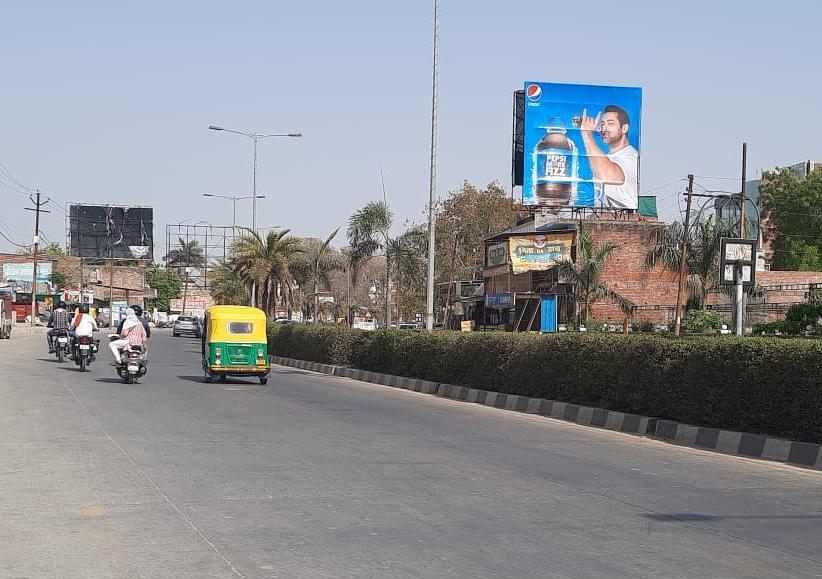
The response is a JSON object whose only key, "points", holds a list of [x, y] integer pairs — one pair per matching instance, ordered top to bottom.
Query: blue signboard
{"points": [[581, 145], [501, 300]]}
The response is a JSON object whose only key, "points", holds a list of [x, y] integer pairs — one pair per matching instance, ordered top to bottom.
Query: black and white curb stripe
{"points": [[739, 443]]}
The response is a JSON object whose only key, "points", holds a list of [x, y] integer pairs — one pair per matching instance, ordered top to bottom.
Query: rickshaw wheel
{"points": [[223, 378], [263, 380]]}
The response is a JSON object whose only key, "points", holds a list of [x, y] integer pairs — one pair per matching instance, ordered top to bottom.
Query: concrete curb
{"points": [[744, 444]]}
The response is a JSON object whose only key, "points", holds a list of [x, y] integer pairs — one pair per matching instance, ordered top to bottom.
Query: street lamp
{"points": [[256, 137], [233, 199]]}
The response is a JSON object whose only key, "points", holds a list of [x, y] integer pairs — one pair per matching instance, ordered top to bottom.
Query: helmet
{"points": [[60, 306], [83, 308], [138, 311]]}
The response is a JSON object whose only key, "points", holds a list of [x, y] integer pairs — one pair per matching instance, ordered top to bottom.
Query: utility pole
{"points": [[432, 184], [743, 203], [37, 211], [683, 255]]}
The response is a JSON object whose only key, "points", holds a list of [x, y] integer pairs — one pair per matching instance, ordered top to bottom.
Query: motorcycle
{"points": [[61, 345], [85, 351], [133, 364]]}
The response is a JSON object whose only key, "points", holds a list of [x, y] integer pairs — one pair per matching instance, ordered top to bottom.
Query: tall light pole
{"points": [[256, 137], [432, 184], [233, 199]]}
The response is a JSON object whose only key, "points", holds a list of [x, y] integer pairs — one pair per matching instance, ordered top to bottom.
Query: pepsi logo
{"points": [[534, 92]]}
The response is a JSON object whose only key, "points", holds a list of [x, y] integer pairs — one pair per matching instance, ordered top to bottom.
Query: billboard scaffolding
{"points": [[110, 231]]}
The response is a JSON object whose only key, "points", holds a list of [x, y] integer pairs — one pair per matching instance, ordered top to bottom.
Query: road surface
{"points": [[319, 476]]}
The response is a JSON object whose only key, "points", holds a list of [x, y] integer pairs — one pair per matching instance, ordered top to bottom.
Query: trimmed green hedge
{"points": [[770, 386]]}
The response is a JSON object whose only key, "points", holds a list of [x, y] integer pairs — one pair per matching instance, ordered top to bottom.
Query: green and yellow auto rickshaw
{"points": [[235, 343]]}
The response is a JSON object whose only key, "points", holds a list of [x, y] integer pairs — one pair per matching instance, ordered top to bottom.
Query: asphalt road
{"points": [[318, 476]]}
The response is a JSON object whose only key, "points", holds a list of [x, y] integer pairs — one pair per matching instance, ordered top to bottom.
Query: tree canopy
{"points": [[793, 210]]}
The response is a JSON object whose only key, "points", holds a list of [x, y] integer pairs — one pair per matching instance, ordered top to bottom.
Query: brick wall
{"points": [[626, 274]]}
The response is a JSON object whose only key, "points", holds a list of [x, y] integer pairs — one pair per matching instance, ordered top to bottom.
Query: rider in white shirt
{"points": [[83, 324]]}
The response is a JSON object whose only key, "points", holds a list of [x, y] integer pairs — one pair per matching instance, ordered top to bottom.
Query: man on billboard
{"points": [[618, 169]]}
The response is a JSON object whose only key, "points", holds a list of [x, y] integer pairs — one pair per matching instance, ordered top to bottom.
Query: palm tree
{"points": [[368, 230], [186, 254], [407, 256], [702, 261], [266, 262], [315, 266], [586, 274], [228, 285]]}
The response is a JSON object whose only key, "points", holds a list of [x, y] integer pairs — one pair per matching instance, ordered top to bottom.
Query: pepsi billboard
{"points": [[581, 146]]}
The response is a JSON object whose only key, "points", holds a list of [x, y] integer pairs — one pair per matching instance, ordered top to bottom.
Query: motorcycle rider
{"points": [[138, 311], [58, 321], [83, 324], [132, 334]]}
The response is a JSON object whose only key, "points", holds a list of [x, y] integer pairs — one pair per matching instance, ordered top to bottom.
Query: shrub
{"points": [[805, 314], [701, 321], [786, 327], [771, 386]]}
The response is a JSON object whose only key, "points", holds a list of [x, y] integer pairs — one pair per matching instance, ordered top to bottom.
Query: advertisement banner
{"points": [[581, 145], [539, 252], [24, 271], [176, 305]]}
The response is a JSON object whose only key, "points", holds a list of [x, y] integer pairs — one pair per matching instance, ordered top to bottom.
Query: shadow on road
{"points": [[199, 379], [110, 380], [698, 517]]}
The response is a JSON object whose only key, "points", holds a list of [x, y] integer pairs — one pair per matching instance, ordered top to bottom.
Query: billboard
{"points": [[581, 146], [110, 231], [539, 252], [24, 271]]}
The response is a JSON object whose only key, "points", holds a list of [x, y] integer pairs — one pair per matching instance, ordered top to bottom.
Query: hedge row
{"points": [[764, 385]]}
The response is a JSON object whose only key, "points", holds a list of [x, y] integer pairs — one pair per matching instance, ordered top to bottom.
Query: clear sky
{"points": [[109, 102]]}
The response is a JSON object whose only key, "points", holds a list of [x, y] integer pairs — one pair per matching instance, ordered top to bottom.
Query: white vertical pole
{"points": [[432, 186]]}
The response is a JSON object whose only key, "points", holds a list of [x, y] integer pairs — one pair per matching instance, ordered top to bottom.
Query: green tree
{"points": [[793, 211], [465, 218], [368, 235], [186, 254], [407, 257], [702, 261], [266, 262], [313, 268], [586, 272], [59, 280], [167, 283], [228, 286]]}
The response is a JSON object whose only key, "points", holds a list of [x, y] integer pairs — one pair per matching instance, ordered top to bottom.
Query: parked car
{"points": [[285, 321], [186, 325], [409, 326]]}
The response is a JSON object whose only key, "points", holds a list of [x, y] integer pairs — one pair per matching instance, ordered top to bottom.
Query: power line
{"points": [[717, 178], [662, 186]]}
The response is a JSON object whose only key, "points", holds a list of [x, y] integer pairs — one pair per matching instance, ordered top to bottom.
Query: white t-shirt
{"points": [[623, 196], [86, 326]]}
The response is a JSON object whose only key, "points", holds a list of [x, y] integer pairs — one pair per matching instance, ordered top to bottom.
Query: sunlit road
{"points": [[317, 476]]}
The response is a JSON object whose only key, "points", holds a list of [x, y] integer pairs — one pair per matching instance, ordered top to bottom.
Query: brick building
{"points": [[128, 281], [515, 300]]}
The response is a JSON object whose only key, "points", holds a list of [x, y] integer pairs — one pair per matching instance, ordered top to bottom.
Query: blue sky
{"points": [[110, 102]]}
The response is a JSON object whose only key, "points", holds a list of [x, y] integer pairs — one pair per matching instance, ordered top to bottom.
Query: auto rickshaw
{"points": [[235, 343]]}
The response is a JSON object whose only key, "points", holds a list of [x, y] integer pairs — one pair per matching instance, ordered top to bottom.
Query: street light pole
{"points": [[256, 138], [432, 184], [233, 199]]}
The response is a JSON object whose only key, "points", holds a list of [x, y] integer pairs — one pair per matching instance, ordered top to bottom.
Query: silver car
{"points": [[186, 325]]}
